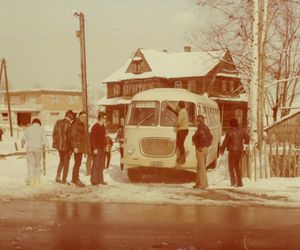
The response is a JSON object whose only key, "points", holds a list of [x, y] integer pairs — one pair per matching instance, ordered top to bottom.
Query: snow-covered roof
{"points": [[171, 65], [230, 75], [42, 90], [240, 98], [112, 101], [22, 108], [282, 119]]}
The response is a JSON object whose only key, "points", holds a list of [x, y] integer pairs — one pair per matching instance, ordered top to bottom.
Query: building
{"points": [[200, 72], [46, 104], [285, 130]]}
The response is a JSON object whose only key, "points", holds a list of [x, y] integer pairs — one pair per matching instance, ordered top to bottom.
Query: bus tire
{"points": [[134, 175]]}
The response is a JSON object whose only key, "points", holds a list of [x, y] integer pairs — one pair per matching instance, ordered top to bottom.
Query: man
{"points": [[182, 129], [35, 138], [202, 139], [61, 141], [234, 142], [79, 144], [98, 144], [109, 144]]}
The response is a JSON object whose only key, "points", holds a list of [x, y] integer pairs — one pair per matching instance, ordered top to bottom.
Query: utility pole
{"points": [[81, 35], [3, 69]]}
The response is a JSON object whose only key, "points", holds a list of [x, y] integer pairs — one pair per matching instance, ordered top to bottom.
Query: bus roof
{"points": [[172, 94]]}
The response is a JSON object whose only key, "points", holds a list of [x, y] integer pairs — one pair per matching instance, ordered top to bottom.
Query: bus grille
{"points": [[157, 147]]}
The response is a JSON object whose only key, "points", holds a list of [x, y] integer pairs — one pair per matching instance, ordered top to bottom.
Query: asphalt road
{"points": [[59, 225]]}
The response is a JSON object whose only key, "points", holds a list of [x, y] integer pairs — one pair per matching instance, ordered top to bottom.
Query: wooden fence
{"points": [[284, 160]]}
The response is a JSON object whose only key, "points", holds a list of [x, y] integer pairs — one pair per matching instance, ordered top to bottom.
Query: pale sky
{"points": [[37, 37]]}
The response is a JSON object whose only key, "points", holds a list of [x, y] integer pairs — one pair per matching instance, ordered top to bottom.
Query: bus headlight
{"points": [[130, 149]]}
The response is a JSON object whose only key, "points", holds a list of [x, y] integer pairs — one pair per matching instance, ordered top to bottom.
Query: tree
{"points": [[233, 30]]}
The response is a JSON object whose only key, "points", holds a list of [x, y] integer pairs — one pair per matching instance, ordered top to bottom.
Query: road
{"points": [[60, 225]]}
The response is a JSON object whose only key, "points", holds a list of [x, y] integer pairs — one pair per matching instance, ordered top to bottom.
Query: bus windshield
{"points": [[143, 113], [169, 117]]}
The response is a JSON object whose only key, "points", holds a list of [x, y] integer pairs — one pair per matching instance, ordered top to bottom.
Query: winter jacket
{"points": [[182, 122], [61, 135], [79, 136], [120, 137], [202, 137], [35, 138], [97, 138], [234, 140]]}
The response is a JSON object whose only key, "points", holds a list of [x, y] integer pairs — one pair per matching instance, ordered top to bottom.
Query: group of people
{"points": [[70, 136], [234, 141]]}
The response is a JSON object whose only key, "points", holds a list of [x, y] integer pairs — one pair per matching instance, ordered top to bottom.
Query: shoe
{"points": [[181, 160], [57, 179], [65, 182], [78, 183], [103, 183], [239, 185], [199, 187]]}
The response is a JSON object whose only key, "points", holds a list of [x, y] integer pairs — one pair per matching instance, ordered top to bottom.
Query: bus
{"points": [[150, 135]]}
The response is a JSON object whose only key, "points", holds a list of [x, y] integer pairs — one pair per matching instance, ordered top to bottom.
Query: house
{"points": [[200, 72], [47, 104], [285, 130]]}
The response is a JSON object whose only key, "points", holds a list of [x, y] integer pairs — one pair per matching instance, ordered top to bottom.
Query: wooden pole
{"points": [[3, 64], [83, 68]]}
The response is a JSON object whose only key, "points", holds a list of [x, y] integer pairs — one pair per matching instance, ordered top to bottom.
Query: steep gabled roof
{"points": [[171, 65]]}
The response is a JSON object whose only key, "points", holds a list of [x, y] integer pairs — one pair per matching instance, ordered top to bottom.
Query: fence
{"points": [[284, 160]]}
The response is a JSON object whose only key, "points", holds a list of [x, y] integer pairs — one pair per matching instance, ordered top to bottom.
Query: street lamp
{"points": [[81, 35]]}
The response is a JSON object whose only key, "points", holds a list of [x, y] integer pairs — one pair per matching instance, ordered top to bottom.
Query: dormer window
{"points": [[137, 61], [178, 85], [224, 86], [231, 86]]}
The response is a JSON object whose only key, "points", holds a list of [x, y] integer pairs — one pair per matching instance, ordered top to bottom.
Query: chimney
{"points": [[187, 49]]}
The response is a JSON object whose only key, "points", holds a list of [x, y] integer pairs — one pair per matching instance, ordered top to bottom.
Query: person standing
{"points": [[182, 129], [1, 133], [36, 139], [120, 139], [202, 139], [61, 141], [234, 141], [98, 144], [109, 144], [79, 145]]}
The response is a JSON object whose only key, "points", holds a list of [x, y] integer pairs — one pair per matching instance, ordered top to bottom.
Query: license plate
{"points": [[156, 163]]}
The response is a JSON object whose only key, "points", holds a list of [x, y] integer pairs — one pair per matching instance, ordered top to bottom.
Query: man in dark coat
{"points": [[120, 139], [202, 139], [61, 141], [234, 141], [79, 144], [98, 144]]}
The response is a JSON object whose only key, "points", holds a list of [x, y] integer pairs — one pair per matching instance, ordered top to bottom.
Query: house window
{"points": [[178, 85], [192, 85], [224, 86], [231, 86], [117, 90], [126, 90], [238, 114], [4, 116], [115, 117]]}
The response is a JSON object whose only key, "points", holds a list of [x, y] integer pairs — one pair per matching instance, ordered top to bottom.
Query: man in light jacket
{"points": [[35, 138]]}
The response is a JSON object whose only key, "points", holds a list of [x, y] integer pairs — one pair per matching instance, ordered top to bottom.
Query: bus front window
{"points": [[143, 113], [169, 117]]}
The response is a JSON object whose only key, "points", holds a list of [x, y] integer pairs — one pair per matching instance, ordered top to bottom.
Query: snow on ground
{"points": [[13, 171]]}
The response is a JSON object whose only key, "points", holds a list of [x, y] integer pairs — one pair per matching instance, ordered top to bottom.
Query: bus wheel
{"points": [[134, 175]]}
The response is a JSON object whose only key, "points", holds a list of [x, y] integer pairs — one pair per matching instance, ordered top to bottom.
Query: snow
{"points": [[283, 192]]}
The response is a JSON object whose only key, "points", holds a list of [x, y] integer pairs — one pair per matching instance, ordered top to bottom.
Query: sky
{"points": [[38, 42], [274, 192]]}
